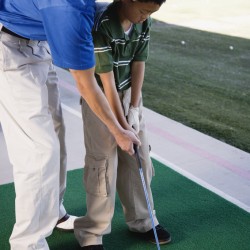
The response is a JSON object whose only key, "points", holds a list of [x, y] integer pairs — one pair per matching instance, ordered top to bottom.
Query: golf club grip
{"points": [[135, 148]]}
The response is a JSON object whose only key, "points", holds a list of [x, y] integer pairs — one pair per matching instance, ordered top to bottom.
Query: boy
{"points": [[31, 36], [121, 39]]}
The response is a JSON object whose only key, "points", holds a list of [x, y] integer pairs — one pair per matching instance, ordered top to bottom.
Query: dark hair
{"points": [[159, 2]]}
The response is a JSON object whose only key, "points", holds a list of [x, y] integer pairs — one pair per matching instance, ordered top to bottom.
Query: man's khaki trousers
{"points": [[31, 119]]}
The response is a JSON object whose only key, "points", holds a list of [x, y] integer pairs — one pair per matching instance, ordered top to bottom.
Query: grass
{"points": [[203, 83]]}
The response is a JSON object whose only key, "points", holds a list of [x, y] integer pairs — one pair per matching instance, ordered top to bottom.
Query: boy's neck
{"points": [[125, 23], [126, 26]]}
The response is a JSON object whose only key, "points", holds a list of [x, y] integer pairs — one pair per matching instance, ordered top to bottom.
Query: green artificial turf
{"points": [[202, 83], [196, 218]]}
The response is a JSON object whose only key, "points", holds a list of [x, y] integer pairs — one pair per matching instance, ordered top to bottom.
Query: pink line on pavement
{"points": [[194, 149]]}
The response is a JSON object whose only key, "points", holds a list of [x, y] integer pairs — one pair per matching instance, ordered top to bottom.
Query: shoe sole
{"points": [[161, 242]]}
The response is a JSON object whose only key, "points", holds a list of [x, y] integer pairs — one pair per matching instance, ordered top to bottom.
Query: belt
{"points": [[12, 33]]}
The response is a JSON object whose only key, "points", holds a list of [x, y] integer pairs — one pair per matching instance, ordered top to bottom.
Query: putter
{"points": [[138, 159]]}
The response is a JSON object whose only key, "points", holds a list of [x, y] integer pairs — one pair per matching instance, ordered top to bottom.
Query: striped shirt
{"points": [[115, 50]]}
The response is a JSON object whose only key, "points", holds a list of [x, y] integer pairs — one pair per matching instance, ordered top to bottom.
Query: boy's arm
{"points": [[138, 65], [137, 77], [108, 82], [91, 92]]}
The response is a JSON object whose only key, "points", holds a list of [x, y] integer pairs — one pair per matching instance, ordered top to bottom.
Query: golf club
{"points": [[138, 159]]}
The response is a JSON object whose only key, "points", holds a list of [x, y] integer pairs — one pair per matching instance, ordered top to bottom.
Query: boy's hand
{"points": [[133, 118]]}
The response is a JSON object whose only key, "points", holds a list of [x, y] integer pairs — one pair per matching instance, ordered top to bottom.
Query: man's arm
{"points": [[91, 92]]}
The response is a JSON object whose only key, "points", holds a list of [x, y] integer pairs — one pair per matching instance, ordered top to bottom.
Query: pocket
{"points": [[16, 55], [95, 175]]}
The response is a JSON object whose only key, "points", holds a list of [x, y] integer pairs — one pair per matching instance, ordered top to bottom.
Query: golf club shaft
{"points": [[146, 195]]}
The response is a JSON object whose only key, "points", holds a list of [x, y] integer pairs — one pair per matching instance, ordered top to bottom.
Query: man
{"points": [[121, 37], [30, 110]]}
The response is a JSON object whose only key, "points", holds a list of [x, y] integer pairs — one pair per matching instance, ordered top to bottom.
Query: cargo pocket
{"points": [[95, 176]]}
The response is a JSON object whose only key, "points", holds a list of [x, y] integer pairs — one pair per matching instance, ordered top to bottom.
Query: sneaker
{"points": [[66, 223], [163, 235], [94, 247]]}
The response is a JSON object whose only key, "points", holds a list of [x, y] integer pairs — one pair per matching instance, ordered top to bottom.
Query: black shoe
{"points": [[163, 235], [94, 247]]}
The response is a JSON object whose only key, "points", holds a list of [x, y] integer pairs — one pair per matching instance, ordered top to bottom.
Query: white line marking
{"points": [[181, 171], [200, 182]]}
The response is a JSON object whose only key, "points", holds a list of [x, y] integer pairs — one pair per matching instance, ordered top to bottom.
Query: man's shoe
{"points": [[66, 223], [163, 235], [94, 247]]}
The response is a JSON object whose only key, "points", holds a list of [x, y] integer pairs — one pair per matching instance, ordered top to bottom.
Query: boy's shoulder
{"points": [[100, 8], [103, 15]]}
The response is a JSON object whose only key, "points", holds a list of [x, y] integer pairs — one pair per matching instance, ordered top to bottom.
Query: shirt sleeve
{"points": [[68, 32], [142, 51], [103, 52]]}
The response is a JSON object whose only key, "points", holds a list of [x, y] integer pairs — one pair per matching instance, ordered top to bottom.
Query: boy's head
{"points": [[159, 2], [137, 11]]}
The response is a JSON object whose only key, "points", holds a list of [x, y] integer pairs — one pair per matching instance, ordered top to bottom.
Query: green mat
{"points": [[196, 218]]}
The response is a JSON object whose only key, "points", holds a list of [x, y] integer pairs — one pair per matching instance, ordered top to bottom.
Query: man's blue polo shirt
{"points": [[65, 24]]}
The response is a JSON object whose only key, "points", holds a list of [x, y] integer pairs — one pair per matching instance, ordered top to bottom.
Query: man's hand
{"points": [[133, 118], [126, 140]]}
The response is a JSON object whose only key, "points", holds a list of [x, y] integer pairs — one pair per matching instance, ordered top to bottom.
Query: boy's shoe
{"points": [[66, 223], [163, 235], [93, 247]]}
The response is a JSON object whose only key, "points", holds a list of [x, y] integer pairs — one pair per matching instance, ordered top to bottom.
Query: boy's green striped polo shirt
{"points": [[114, 50]]}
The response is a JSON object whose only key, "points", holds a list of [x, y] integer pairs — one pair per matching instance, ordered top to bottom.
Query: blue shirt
{"points": [[65, 24]]}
